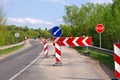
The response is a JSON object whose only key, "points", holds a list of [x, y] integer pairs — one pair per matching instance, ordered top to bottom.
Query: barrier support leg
{"points": [[45, 49], [58, 54], [117, 61]]}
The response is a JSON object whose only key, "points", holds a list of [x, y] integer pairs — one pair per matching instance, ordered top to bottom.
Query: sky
{"points": [[39, 13]]}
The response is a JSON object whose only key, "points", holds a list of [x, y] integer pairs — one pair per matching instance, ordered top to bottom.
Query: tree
{"points": [[2, 15], [71, 15], [83, 21], [3, 30], [66, 30], [3, 33]]}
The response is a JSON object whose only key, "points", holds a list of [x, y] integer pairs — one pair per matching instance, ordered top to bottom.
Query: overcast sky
{"points": [[39, 13]]}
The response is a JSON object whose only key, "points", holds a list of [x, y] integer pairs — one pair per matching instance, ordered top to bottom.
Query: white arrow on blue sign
{"points": [[56, 31]]}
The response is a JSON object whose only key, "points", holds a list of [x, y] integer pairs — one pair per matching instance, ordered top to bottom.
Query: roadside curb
{"points": [[12, 53]]}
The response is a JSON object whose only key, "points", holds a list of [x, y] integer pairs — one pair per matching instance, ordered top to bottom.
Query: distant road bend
{"points": [[12, 64]]}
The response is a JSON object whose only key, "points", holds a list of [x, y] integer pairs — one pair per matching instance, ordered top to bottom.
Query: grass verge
{"points": [[6, 51], [102, 57]]}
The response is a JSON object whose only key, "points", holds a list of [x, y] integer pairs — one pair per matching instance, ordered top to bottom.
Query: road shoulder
{"points": [[12, 53]]}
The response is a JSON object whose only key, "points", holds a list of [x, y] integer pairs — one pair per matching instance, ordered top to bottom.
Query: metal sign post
{"points": [[100, 29], [57, 32], [17, 35], [100, 39]]}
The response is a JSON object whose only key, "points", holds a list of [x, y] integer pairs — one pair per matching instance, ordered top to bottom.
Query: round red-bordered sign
{"points": [[99, 28]]}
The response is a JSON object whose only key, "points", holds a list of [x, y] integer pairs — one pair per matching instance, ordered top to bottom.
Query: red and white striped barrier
{"points": [[74, 41], [45, 48], [58, 53], [117, 59]]}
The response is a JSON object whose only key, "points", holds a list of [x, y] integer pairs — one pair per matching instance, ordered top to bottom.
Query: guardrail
{"points": [[10, 46], [106, 51]]}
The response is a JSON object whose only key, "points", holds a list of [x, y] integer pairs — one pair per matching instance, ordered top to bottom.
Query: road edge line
{"points": [[13, 77]]}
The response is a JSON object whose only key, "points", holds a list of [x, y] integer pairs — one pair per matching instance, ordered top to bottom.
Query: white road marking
{"points": [[13, 77]]}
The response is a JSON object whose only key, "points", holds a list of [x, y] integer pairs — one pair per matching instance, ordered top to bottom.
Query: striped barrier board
{"points": [[69, 41], [74, 41], [45, 48], [58, 53], [117, 59]]}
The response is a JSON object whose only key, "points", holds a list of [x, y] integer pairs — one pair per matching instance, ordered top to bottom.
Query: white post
{"points": [[100, 39], [118, 41]]}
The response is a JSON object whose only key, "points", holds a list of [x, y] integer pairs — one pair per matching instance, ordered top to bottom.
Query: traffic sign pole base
{"points": [[87, 53], [53, 55], [45, 56], [57, 64], [115, 79]]}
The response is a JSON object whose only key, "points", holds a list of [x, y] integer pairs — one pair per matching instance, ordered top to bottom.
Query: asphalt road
{"points": [[14, 63], [29, 64], [75, 67]]}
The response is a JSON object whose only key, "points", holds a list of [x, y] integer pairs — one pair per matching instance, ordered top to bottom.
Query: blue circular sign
{"points": [[56, 31]]}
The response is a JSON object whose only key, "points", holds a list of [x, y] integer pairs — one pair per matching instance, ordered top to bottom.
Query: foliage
{"points": [[2, 16], [84, 19], [3, 30], [66, 31], [3, 34], [7, 34], [9, 50]]}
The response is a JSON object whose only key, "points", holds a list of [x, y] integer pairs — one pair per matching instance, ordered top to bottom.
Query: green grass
{"points": [[6, 51], [102, 57]]}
